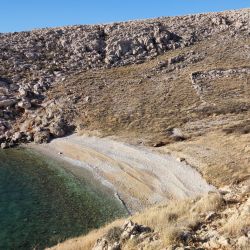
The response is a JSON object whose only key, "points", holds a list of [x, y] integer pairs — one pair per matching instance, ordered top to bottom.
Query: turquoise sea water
{"points": [[44, 201]]}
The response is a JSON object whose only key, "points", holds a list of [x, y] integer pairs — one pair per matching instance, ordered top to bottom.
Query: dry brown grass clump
{"points": [[242, 128], [221, 158], [177, 216], [238, 223], [87, 242]]}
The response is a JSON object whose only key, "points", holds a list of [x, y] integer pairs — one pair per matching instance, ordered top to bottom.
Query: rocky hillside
{"points": [[34, 62]]}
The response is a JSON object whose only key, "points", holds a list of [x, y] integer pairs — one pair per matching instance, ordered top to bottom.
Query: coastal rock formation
{"points": [[116, 236]]}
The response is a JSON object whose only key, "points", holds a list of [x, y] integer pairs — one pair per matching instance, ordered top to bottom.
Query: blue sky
{"points": [[18, 15]]}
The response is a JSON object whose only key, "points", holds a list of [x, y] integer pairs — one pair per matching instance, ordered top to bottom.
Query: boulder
{"points": [[176, 59], [161, 65], [3, 84], [13, 87], [4, 91], [22, 92], [87, 99], [7, 103], [25, 104], [57, 128], [57, 131], [177, 134], [17, 136], [29, 136], [42, 136], [4, 145], [210, 216], [131, 229], [243, 242]]}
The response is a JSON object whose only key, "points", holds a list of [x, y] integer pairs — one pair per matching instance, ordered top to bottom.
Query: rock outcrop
{"points": [[117, 236]]}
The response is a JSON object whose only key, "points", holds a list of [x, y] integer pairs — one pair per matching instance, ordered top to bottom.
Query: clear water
{"points": [[43, 201]]}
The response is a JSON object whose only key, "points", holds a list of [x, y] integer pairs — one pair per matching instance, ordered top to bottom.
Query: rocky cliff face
{"points": [[31, 62]]}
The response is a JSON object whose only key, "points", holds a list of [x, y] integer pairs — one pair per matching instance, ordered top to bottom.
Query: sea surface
{"points": [[44, 201]]}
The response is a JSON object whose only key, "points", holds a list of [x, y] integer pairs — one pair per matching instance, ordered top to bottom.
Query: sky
{"points": [[20, 15]]}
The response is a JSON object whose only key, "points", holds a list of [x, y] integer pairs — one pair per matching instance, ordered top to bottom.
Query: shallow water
{"points": [[44, 201]]}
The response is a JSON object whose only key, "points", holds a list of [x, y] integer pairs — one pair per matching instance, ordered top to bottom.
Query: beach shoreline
{"points": [[73, 166], [137, 175]]}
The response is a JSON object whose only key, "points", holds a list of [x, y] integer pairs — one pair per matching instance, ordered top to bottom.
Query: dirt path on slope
{"points": [[139, 176]]}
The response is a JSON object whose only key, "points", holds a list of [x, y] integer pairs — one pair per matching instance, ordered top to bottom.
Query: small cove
{"points": [[44, 201]]}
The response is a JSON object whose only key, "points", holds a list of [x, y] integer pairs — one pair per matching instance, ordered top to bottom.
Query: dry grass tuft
{"points": [[242, 128], [212, 202], [176, 216], [238, 223], [113, 234]]}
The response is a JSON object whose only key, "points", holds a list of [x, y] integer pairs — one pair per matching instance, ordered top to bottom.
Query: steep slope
{"points": [[156, 102]]}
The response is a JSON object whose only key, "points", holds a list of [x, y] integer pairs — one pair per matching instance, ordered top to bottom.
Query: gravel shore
{"points": [[140, 176]]}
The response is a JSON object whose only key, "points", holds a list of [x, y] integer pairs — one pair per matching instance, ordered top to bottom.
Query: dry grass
{"points": [[140, 102], [241, 128], [221, 158], [173, 218], [170, 220], [237, 225], [88, 241], [133, 245]]}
